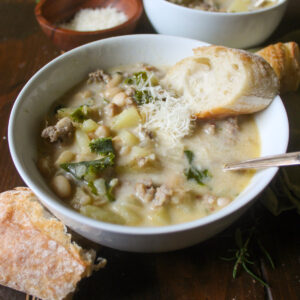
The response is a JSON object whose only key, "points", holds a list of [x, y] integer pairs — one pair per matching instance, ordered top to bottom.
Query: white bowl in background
{"points": [[237, 30], [61, 74]]}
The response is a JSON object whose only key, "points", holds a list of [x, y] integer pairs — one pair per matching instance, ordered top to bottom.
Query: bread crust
{"points": [[285, 60], [36, 253]]}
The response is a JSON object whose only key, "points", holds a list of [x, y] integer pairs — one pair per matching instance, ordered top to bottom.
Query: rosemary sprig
{"points": [[266, 253], [242, 255]]}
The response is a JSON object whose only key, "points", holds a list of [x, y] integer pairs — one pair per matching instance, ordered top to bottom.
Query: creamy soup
{"points": [[226, 5], [119, 148]]}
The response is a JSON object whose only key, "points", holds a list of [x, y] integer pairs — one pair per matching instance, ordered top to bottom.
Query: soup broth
{"points": [[226, 5], [101, 151]]}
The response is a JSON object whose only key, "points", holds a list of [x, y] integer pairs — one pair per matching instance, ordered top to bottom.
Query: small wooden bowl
{"points": [[50, 13]]}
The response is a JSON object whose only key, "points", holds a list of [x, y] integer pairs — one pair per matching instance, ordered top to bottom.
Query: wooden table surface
{"points": [[193, 273]]}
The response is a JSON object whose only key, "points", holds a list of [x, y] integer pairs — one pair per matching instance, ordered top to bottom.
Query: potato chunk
{"points": [[126, 119], [89, 125], [128, 138], [82, 141]]}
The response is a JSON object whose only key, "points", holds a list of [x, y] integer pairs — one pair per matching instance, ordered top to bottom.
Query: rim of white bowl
{"points": [[219, 13], [124, 229]]}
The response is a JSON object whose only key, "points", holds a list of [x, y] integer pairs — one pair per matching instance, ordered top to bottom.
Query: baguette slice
{"points": [[285, 60], [220, 82], [36, 253]]}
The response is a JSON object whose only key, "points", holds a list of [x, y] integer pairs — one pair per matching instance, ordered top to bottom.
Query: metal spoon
{"points": [[287, 159]]}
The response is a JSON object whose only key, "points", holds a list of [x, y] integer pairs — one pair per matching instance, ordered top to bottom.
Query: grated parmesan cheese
{"points": [[95, 19], [168, 115]]}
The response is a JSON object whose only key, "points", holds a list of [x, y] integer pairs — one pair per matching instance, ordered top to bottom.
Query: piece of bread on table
{"points": [[285, 60], [220, 82], [37, 255]]}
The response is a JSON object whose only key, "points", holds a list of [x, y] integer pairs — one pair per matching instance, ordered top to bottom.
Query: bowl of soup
{"points": [[232, 23], [111, 152]]}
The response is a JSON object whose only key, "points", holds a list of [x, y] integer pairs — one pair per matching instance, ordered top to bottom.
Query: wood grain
{"points": [[193, 273]]}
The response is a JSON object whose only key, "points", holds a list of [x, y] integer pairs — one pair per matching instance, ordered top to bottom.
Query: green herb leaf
{"points": [[137, 78], [140, 79], [142, 97], [79, 114], [102, 146], [189, 155], [88, 170], [193, 173], [200, 176], [92, 187], [105, 190], [109, 192], [266, 253], [242, 254], [253, 275]]}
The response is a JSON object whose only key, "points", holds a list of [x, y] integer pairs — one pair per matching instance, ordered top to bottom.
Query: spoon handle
{"points": [[287, 159]]}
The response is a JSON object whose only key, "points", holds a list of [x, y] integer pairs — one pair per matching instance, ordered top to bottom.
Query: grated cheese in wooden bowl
{"points": [[90, 19]]}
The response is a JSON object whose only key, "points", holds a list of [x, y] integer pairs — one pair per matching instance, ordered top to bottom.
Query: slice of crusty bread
{"points": [[285, 60], [220, 81], [37, 255]]}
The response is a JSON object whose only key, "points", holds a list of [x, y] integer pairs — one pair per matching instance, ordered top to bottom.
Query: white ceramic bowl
{"points": [[238, 30], [57, 77]]}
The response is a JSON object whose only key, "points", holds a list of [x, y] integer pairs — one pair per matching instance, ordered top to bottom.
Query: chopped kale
{"points": [[137, 78], [140, 79], [142, 97], [79, 114], [102, 146], [189, 155], [88, 170], [193, 173], [200, 176], [92, 187], [103, 190], [109, 192]]}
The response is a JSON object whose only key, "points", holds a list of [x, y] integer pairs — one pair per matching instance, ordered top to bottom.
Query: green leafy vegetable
{"points": [[137, 78], [141, 79], [142, 97], [80, 114], [102, 146], [189, 155], [88, 170], [193, 173], [200, 176], [91, 185], [100, 187], [109, 192]]}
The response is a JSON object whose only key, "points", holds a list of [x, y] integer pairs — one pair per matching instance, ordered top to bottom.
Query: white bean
{"points": [[116, 80], [111, 92], [120, 99], [112, 109], [102, 131], [44, 166], [61, 186]]}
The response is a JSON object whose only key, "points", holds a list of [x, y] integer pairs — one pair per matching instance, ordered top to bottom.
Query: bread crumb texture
{"points": [[220, 82], [36, 253]]}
